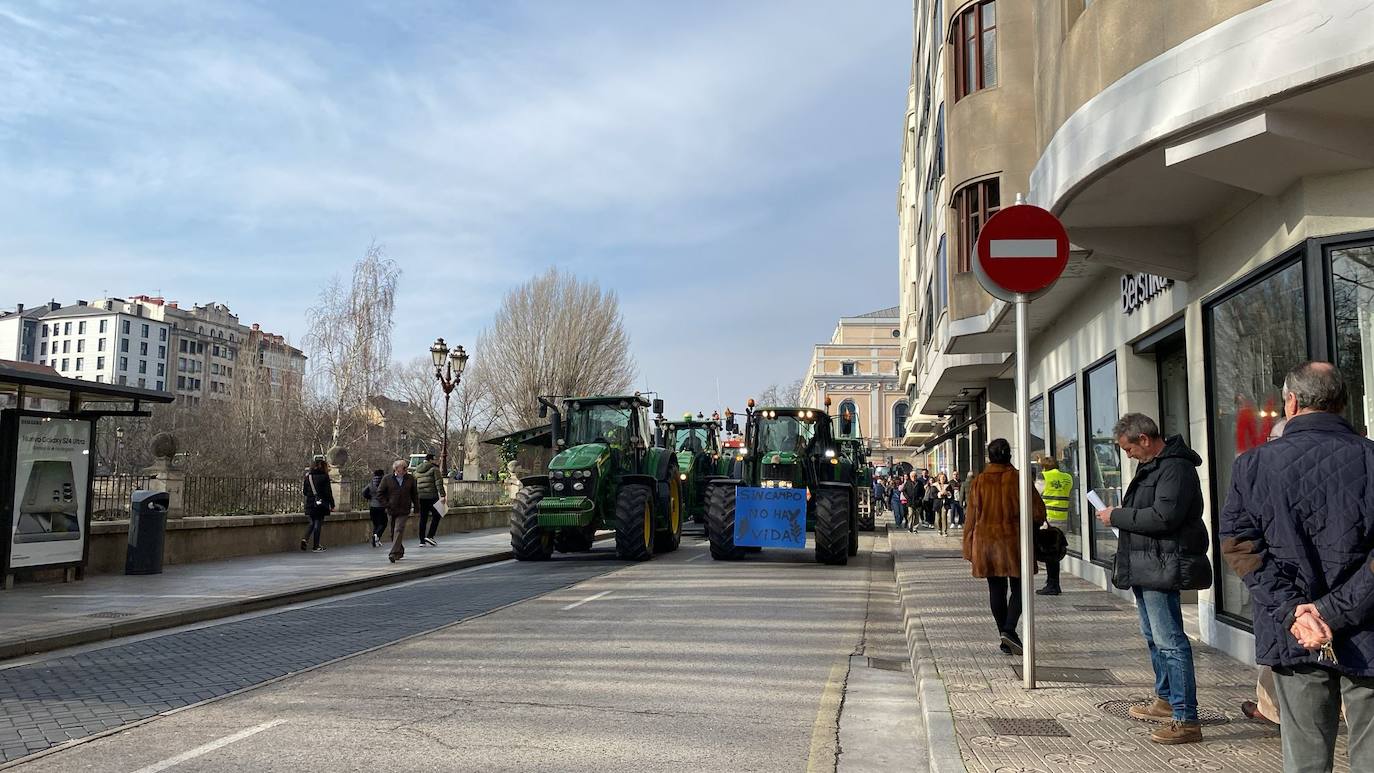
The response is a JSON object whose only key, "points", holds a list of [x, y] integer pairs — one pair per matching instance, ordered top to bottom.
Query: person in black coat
{"points": [[914, 491], [319, 502], [1161, 551]]}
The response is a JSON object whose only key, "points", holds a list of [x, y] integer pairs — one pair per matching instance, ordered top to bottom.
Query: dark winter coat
{"points": [[429, 481], [321, 491], [913, 491], [373, 492], [399, 498], [992, 525], [1298, 527], [1163, 542]]}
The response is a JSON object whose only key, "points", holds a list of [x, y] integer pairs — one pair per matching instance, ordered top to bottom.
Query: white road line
{"points": [[697, 558], [577, 604], [209, 747]]}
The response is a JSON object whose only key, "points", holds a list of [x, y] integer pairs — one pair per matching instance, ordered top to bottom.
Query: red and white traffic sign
{"points": [[1021, 250]]}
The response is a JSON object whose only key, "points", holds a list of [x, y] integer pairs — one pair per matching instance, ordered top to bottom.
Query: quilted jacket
{"points": [[428, 480], [1298, 527], [1163, 542]]}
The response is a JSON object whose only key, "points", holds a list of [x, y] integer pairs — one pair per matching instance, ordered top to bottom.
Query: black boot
{"points": [[1048, 590]]}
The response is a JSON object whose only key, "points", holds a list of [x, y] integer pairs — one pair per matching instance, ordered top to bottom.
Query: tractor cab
{"points": [[695, 442]]}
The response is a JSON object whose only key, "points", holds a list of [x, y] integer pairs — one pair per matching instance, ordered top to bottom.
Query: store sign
{"points": [[1139, 289], [50, 484]]}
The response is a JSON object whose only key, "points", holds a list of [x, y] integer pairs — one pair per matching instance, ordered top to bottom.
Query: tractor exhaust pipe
{"points": [[545, 406]]}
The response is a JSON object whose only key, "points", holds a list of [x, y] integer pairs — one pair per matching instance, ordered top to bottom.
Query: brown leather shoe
{"points": [[1157, 710], [1251, 711], [1178, 732]]}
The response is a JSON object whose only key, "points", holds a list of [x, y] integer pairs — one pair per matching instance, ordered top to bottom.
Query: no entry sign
{"points": [[1021, 250]]}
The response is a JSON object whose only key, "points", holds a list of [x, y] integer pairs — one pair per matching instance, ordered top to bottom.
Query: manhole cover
{"points": [[1097, 607], [111, 614], [888, 664], [1077, 675], [1122, 709], [1027, 726]]}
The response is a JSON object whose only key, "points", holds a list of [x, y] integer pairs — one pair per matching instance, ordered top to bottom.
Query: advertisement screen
{"points": [[50, 491]]}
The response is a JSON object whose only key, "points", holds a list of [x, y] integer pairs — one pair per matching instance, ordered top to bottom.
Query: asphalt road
{"points": [[681, 663]]}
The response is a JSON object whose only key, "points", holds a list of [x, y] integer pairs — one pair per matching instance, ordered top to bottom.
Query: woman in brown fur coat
{"points": [[992, 538]]}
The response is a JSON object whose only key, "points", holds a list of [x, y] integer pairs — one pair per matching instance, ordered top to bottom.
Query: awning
{"points": [[25, 380], [949, 433], [531, 436]]}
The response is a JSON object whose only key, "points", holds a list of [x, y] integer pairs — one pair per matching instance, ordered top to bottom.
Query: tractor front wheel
{"points": [[634, 523], [720, 523], [832, 526], [528, 540]]}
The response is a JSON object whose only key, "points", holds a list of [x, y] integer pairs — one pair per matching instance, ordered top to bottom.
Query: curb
{"points": [[147, 623], [942, 742]]}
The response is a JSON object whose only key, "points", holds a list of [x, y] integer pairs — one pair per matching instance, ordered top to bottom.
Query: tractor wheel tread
{"points": [[629, 523], [720, 523], [832, 526], [528, 541]]}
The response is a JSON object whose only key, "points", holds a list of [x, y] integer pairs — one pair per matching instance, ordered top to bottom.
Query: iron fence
{"points": [[110, 495], [242, 496]]}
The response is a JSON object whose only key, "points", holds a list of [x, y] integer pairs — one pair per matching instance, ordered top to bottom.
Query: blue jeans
{"points": [[898, 512], [1171, 655]]}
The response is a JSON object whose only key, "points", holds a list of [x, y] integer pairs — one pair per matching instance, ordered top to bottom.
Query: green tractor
{"points": [[695, 442], [790, 447], [853, 448], [606, 474]]}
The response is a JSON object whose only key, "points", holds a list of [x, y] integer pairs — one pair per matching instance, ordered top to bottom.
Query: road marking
{"points": [[1023, 248], [697, 558], [577, 604], [825, 732], [209, 747]]}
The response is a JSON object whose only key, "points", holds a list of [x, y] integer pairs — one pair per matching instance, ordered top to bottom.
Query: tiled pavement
{"points": [[1086, 627], [48, 702]]}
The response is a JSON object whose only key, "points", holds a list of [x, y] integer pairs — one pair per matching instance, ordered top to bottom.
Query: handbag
{"points": [[1050, 545]]}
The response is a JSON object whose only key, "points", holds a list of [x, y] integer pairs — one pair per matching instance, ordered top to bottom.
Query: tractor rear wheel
{"points": [[634, 523], [720, 523], [832, 526], [574, 539], [668, 539], [528, 540]]}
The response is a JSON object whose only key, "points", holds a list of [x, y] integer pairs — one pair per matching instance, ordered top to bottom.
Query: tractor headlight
{"points": [[743, 452], [830, 453], [557, 473], [682, 476], [770, 484], [784, 484], [558, 486], [578, 486]]}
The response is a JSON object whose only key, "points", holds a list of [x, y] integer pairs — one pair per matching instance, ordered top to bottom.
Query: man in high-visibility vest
{"points": [[1058, 490]]}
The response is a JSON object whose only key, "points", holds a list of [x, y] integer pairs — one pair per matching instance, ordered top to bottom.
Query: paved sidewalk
{"points": [[41, 617], [954, 644]]}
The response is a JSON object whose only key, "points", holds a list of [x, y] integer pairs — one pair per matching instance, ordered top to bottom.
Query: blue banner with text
{"points": [[770, 517]]}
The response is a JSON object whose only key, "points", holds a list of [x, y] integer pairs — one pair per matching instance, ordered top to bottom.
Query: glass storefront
{"points": [[1352, 307], [1255, 336], [1171, 359], [1037, 434], [1064, 439], [1104, 455]]}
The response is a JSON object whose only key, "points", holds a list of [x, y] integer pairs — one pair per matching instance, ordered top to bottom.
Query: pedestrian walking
{"points": [[429, 483], [913, 494], [1058, 494], [943, 495], [400, 497], [319, 502], [898, 503], [957, 503], [376, 507], [1298, 528], [992, 538], [1162, 551]]}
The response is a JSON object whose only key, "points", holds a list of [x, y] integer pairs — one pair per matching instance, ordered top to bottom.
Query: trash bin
{"points": [[147, 526]]}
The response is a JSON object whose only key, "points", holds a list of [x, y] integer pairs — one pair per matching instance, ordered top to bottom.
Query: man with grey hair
{"points": [[401, 497], [1298, 528], [1162, 551]]}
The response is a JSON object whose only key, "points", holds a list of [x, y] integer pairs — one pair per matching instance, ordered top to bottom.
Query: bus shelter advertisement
{"points": [[50, 484]]}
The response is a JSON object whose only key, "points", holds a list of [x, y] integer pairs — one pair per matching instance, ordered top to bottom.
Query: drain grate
{"points": [[1097, 607], [111, 615], [889, 664], [1079, 675], [1121, 710], [1047, 728]]}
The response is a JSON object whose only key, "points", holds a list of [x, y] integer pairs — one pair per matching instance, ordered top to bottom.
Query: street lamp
{"points": [[448, 370], [405, 443], [119, 447]]}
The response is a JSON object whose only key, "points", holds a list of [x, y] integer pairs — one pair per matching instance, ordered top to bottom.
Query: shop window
{"points": [[974, 34], [975, 204], [1352, 307], [1255, 336], [899, 414], [1037, 434], [1064, 448], [1104, 455]]}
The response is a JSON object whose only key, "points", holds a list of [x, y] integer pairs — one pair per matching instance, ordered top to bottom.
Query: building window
{"points": [[974, 34], [974, 203], [941, 277], [1352, 305], [103, 324], [81, 327], [126, 327], [66, 328], [928, 328], [45, 330], [145, 330], [162, 334], [1254, 336], [100, 344], [123, 344], [80, 345], [181, 345], [67, 346], [143, 348], [43, 349], [162, 352], [65, 363], [99, 363], [123, 363], [142, 366], [846, 369], [99, 379], [123, 380], [181, 382], [142, 383], [159, 386], [848, 413], [899, 414], [1064, 449], [1104, 455]]}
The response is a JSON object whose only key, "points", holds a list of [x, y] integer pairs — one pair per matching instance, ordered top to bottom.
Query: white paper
{"points": [[1098, 504], [440, 508]]}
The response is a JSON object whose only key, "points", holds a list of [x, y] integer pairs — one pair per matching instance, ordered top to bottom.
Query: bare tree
{"points": [[559, 335], [349, 342], [788, 394], [470, 405]]}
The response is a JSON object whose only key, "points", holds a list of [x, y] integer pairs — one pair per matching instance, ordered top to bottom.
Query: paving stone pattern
{"points": [[982, 685], [50, 702]]}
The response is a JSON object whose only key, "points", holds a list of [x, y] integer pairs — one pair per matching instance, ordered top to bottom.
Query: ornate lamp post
{"points": [[448, 370], [405, 444], [119, 447]]}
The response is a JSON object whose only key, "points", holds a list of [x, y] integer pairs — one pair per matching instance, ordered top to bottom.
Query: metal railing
{"points": [[110, 495], [242, 496]]}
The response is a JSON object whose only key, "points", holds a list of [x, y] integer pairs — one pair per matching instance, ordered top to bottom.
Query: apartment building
{"points": [[1214, 167], [19, 332], [105, 343], [857, 370]]}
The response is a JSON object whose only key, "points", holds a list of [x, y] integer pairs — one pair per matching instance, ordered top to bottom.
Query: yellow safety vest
{"points": [[1058, 487]]}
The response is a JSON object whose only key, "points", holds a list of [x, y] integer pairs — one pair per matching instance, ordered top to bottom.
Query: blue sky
{"points": [[729, 168]]}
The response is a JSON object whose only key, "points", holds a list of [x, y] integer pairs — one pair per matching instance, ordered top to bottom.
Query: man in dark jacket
{"points": [[429, 482], [399, 492], [914, 492], [1298, 527], [1162, 550]]}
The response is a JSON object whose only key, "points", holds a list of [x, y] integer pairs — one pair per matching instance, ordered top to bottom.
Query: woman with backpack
{"points": [[319, 502]]}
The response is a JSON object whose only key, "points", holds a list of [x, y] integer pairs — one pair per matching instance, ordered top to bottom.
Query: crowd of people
{"points": [[391, 497], [918, 500]]}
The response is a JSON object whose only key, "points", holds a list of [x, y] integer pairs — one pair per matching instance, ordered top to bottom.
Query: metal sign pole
{"points": [[1023, 468]]}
